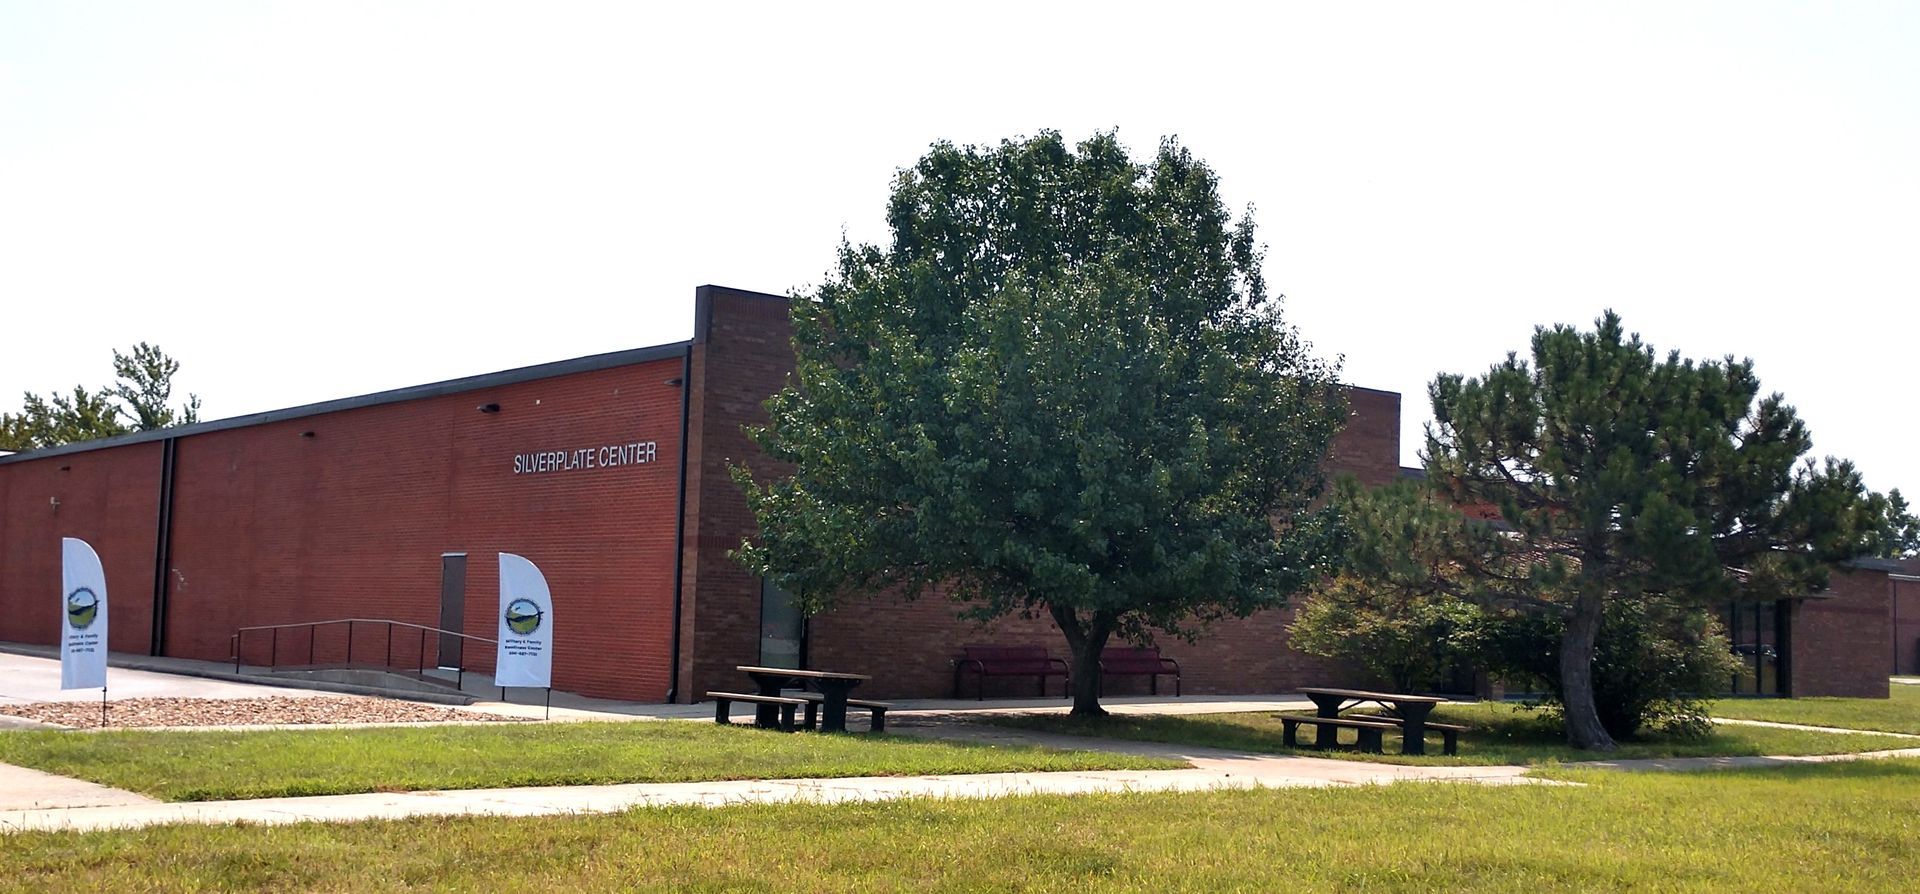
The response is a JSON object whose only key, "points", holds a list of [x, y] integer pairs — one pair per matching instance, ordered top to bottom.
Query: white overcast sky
{"points": [[315, 200]]}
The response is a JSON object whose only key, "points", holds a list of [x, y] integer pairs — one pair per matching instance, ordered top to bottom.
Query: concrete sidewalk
{"points": [[30, 678], [1771, 724], [1212, 771], [24, 789], [36, 801], [97, 807]]}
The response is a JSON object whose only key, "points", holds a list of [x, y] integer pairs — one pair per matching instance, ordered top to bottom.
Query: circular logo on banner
{"points": [[82, 608], [523, 616]]}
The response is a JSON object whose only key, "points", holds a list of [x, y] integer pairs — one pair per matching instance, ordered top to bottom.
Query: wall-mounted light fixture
{"points": [[676, 380], [489, 408], [307, 434], [66, 468], [55, 501]]}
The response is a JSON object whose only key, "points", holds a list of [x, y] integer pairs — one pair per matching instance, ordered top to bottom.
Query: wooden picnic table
{"points": [[833, 691], [1411, 709]]}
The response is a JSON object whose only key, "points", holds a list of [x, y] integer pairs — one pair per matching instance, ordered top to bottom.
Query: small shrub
{"points": [[1410, 644], [1653, 662]]}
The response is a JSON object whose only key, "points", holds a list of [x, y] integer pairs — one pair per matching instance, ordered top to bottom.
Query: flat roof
{"points": [[415, 392], [1891, 566]]}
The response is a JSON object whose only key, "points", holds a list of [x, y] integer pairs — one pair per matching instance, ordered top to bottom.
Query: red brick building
{"points": [[392, 506], [1900, 581]]}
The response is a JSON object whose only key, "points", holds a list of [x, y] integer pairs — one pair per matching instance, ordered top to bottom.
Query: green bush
{"points": [[1409, 644], [1654, 662]]}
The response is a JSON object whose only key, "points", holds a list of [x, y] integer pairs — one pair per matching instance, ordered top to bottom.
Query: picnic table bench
{"points": [[1009, 661], [1141, 661], [723, 708], [773, 709], [876, 710], [1410, 717], [1369, 733]]}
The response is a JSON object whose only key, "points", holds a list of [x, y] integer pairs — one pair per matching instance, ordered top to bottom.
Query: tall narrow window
{"points": [[783, 629], [1757, 632]]}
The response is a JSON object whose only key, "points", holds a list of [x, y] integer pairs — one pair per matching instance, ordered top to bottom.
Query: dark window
{"points": [[453, 608], [783, 630], [1754, 630]]}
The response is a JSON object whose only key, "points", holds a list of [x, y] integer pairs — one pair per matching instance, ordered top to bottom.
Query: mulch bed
{"points": [[316, 710]]}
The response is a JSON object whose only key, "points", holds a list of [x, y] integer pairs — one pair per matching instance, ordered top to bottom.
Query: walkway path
{"points": [[1815, 729], [1212, 770], [24, 789], [30, 799], [59, 804]]}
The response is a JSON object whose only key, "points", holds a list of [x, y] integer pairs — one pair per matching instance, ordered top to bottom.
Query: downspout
{"points": [[680, 523], [163, 550]]}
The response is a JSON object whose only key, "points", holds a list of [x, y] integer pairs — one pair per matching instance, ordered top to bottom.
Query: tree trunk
{"points": [[1084, 641], [1576, 676]]}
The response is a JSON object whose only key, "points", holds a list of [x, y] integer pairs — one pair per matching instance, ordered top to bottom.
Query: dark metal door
{"points": [[453, 606]]}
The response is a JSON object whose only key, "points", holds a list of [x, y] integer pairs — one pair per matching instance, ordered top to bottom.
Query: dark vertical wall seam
{"points": [[680, 524], [163, 549]]}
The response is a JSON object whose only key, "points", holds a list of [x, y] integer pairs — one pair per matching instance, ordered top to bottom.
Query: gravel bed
{"points": [[318, 710]]}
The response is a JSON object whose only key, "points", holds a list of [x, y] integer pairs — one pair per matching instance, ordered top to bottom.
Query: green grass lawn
{"points": [[1899, 713], [1499, 734], [199, 766], [1848, 828]]}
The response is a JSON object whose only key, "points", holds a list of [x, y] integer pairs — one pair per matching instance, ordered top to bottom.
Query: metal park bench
{"points": [[1009, 661], [1140, 661]]}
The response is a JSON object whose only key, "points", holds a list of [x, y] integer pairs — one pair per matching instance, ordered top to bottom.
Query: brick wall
{"points": [[741, 355], [1368, 447], [109, 499], [272, 526], [1906, 626], [1839, 643], [905, 645]]}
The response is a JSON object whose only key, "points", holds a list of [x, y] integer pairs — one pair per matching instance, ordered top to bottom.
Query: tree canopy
{"points": [[1062, 390], [137, 401], [1618, 477], [1899, 529]]}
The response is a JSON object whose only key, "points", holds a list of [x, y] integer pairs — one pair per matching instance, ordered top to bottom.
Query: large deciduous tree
{"points": [[143, 387], [1062, 390], [1622, 477]]}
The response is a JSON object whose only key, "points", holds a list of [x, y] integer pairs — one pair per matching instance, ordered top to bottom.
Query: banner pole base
{"points": [[549, 703], [103, 707]]}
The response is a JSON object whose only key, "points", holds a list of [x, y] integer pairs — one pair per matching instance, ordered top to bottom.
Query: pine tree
{"points": [[1626, 476]]}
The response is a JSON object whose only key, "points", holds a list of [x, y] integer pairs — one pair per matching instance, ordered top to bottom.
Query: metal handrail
{"points": [[240, 630], [273, 660]]}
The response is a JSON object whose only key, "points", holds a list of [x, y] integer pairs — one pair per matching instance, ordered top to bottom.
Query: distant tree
{"points": [[145, 384], [1063, 390], [63, 419], [1620, 477], [1898, 535]]}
